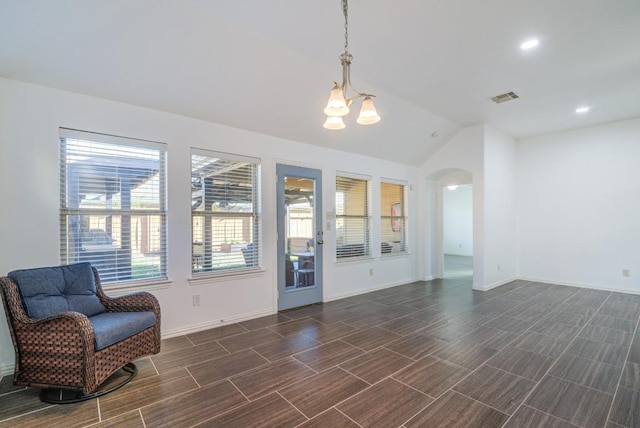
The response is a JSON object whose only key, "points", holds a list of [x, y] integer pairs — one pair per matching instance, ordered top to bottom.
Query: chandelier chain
{"points": [[345, 11]]}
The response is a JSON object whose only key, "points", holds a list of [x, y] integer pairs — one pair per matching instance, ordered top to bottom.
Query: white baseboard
{"points": [[496, 284], [580, 285], [369, 290], [214, 323], [6, 370]]}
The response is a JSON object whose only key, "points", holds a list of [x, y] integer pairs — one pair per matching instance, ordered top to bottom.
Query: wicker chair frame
{"points": [[58, 352]]}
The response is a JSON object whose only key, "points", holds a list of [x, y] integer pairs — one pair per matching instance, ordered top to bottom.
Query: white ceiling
{"points": [[268, 65]]}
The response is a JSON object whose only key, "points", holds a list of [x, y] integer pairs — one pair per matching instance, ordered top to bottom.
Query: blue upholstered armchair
{"points": [[69, 337]]}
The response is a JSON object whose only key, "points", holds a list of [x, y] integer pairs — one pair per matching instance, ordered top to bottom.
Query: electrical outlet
{"points": [[626, 273], [196, 300]]}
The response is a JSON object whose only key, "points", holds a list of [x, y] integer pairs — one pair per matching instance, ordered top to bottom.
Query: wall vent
{"points": [[503, 98]]}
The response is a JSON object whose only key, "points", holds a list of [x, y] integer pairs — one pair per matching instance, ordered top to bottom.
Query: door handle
{"points": [[320, 241]]}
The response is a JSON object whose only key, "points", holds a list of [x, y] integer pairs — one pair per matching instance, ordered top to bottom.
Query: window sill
{"points": [[394, 255], [353, 260], [207, 278], [123, 288]]}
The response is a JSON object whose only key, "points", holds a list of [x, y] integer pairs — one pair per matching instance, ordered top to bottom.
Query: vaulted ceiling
{"points": [[268, 66]]}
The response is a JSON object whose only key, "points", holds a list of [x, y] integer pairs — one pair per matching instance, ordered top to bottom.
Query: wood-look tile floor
{"points": [[426, 354]]}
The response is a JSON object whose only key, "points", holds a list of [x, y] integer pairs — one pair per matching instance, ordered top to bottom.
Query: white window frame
{"points": [[245, 257], [121, 260]]}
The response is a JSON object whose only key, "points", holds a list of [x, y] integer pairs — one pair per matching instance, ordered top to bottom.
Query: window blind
{"points": [[113, 206], [225, 213], [353, 217]]}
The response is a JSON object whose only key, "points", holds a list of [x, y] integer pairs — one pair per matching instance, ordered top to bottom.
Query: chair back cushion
{"points": [[51, 290]]}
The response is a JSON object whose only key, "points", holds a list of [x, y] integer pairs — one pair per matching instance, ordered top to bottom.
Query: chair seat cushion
{"points": [[51, 290], [112, 327]]}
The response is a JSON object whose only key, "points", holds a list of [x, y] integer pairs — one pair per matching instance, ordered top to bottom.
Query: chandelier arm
{"points": [[346, 58], [346, 79]]}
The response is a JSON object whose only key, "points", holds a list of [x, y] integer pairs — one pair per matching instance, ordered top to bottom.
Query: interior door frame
{"points": [[300, 296]]}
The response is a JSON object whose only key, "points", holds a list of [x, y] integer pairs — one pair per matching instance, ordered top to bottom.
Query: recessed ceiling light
{"points": [[529, 44], [581, 110]]}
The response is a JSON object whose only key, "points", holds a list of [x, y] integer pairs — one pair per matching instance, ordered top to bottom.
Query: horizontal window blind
{"points": [[113, 205], [225, 213], [353, 217], [393, 218]]}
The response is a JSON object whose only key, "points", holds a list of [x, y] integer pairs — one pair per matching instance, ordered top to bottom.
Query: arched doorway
{"points": [[450, 225]]}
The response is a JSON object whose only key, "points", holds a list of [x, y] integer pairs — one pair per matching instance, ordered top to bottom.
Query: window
{"points": [[113, 206], [225, 214], [353, 216], [393, 221]]}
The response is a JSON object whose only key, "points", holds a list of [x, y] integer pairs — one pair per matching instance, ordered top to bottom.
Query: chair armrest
{"points": [[135, 302], [72, 328]]}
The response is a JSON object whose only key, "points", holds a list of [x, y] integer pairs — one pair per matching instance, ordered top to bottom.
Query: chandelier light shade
{"points": [[339, 99], [337, 105], [368, 113], [334, 122]]}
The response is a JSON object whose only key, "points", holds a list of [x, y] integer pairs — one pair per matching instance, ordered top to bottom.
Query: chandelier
{"points": [[339, 99]]}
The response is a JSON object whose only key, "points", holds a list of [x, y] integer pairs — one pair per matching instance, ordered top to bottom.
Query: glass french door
{"points": [[299, 236]]}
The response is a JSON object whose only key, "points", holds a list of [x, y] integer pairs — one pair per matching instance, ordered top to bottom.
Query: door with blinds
{"points": [[300, 236]]}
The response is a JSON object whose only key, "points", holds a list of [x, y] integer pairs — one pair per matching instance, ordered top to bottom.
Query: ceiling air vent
{"points": [[503, 98]]}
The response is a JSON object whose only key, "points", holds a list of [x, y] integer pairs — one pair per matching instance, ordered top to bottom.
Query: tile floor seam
{"points": [[223, 348], [404, 356], [626, 361], [154, 366], [507, 371], [546, 373], [390, 377], [579, 384], [370, 386], [451, 388], [14, 391], [240, 391], [482, 404], [334, 405], [100, 411], [226, 411], [26, 413], [545, 413], [347, 416], [144, 424]]}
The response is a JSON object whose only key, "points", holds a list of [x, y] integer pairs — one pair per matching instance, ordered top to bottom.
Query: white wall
{"points": [[30, 116], [499, 208], [578, 209], [457, 213]]}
